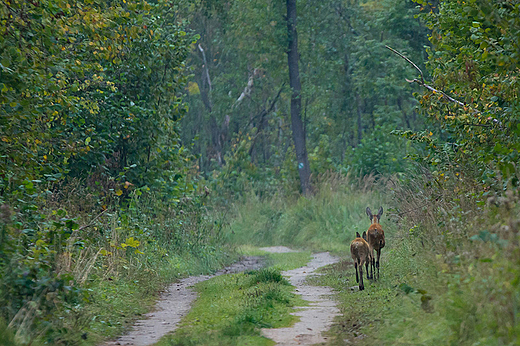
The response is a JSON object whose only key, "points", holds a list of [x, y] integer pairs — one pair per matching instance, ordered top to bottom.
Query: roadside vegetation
{"points": [[100, 206], [110, 273]]}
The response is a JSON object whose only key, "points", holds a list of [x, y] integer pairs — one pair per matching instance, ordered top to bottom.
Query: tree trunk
{"points": [[205, 93], [405, 117], [359, 120], [298, 131]]}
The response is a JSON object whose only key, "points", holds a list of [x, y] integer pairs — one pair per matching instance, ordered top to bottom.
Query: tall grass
{"points": [[326, 221], [472, 237]]}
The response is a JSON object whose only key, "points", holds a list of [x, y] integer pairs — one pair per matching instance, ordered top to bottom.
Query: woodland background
{"points": [[135, 137]]}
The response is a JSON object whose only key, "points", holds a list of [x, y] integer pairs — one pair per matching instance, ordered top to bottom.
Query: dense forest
{"points": [[142, 142]]}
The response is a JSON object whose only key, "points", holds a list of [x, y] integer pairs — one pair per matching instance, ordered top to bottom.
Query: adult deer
{"points": [[375, 237], [360, 252]]}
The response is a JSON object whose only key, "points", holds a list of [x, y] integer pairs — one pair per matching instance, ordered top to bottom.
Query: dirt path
{"points": [[176, 301], [173, 305], [315, 318]]}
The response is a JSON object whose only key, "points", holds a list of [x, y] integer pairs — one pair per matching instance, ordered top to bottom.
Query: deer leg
{"points": [[369, 261], [377, 263], [366, 268], [373, 268], [357, 277], [361, 286]]}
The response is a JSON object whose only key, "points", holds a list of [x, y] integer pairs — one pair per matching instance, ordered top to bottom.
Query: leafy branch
{"points": [[422, 83]]}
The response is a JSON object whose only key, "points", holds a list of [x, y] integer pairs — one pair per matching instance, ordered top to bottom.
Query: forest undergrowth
{"points": [[86, 278]]}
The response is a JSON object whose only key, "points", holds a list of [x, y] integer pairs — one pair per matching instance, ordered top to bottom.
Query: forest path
{"points": [[176, 301], [173, 304], [315, 318]]}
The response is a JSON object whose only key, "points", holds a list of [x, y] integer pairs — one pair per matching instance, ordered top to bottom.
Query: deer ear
{"points": [[369, 212], [380, 212], [357, 235], [365, 235]]}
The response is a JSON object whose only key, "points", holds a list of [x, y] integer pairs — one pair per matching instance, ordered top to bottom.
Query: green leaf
{"points": [[131, 242], [405, 288]]}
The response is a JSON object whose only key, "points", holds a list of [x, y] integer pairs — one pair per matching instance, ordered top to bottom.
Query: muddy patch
{"points": [[173, 305], [315, 318]]}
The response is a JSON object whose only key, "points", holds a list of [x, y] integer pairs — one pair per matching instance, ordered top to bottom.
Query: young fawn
{"points": [[375, 237], [360, 253]]}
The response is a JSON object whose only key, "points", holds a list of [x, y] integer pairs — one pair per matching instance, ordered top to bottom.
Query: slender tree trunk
{"points": [[205, 93], [405, 117], [359, 120], [298, 131]]}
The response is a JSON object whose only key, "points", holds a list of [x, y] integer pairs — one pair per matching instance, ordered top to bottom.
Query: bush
{"points": [[379, 153]]}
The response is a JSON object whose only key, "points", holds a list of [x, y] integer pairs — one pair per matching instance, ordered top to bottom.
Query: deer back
{"points": [[376, 236], [359, 249]]}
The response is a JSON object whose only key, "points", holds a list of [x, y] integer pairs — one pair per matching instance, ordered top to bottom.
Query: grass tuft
{"points": [[266, 275]]}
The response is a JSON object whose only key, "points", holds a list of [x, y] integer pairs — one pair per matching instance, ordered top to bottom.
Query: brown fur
{"points": [[375, 238], [360, 252]]}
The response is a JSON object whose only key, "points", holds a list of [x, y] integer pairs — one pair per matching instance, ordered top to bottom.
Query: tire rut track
{"points": [[175, 302], [315, 318]]}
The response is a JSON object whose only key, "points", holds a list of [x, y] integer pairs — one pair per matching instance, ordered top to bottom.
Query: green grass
{"points": [[327, 221], [288, 261], [403, 269], [111, 270], [449, 273], [428, 298], [115, 302], [231, 309], [8, 337]]}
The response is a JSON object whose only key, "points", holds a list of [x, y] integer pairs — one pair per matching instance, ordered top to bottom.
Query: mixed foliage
{"points": [[474, 60], [91, 87], [353, 90], [105, 137], [95, 184]]}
